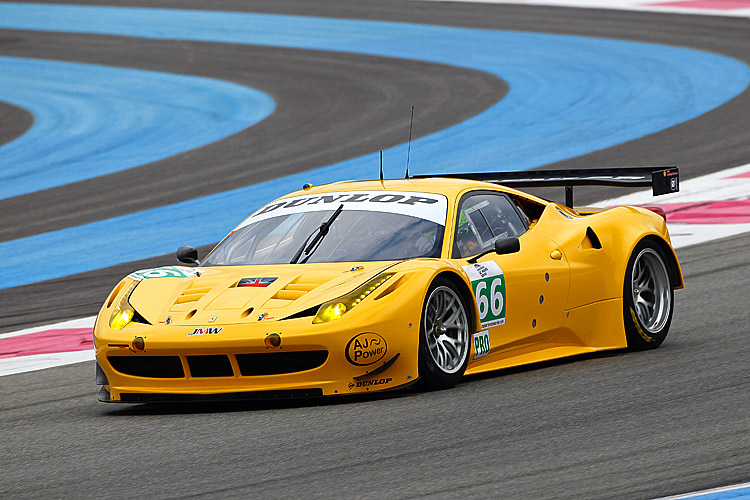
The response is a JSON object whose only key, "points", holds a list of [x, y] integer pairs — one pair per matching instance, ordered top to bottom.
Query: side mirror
{"points": [[507, 245], [503, 246], [188, 255]]}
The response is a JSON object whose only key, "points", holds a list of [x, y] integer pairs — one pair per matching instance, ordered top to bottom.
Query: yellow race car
{"points": [[367, 286]]}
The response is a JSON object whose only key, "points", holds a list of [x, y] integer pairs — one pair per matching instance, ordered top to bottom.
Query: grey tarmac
{"points": [[614, 425]]}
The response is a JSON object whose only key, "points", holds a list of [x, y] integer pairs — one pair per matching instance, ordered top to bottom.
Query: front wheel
{"points": [[648, 297], [444, 336]]}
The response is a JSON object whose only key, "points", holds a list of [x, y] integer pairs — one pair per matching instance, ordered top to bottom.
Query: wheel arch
{"points": [[675, 271], [466, 294]]}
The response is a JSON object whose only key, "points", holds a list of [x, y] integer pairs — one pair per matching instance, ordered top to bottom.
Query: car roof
{"points": [[436, 185]]}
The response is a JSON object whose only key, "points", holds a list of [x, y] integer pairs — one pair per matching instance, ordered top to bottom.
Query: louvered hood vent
{"points": [[303, 284], [196, 290]]}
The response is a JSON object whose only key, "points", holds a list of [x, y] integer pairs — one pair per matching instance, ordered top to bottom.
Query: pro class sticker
{"points": [[164, 272], [488, 283], [481, 344]]}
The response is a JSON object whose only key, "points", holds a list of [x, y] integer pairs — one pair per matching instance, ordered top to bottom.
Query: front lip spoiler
{"points": [[104, 395], [280, 395], [134, 397]]}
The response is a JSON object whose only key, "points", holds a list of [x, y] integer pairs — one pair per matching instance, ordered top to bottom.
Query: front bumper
{"points": [[235, 363]]}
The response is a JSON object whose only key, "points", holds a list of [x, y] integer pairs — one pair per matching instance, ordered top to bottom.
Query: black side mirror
{"points": [[507, 245], [502, 246], [188, 255]]}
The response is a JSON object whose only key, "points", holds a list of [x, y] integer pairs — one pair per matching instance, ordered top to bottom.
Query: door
{"points": [[520, 296]]}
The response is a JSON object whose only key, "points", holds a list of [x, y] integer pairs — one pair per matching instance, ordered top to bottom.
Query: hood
{"points": [[229, 294]]}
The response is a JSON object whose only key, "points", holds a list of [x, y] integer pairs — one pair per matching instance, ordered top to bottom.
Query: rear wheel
{"points": [[648, 297], [444, 336]]}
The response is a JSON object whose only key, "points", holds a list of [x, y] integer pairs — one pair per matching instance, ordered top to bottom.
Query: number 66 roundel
{"points": [[488, 284]]}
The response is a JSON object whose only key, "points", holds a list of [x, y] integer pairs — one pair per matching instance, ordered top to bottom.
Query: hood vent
{"points": [[302, 284], [195, 291], [293, 291], [192, 294]]}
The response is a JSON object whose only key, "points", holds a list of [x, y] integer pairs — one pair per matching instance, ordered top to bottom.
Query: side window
{"points": [[530, 210], [482, 218]]}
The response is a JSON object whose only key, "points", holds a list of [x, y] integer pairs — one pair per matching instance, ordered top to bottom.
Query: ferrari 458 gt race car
{"points": [[366, 286]]}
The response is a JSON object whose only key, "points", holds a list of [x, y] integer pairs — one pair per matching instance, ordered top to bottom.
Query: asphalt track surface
{"points": [[14, 121], [610, 426]]}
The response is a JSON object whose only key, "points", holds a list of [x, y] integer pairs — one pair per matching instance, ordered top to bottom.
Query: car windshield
{"points": [[356, 235]]}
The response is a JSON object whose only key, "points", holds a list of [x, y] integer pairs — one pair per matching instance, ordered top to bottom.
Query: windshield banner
{"points": [[428, 206]]}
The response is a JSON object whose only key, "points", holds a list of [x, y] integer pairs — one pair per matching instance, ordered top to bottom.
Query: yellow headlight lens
{"points": [[336, 308], [124, 312], [330, 312], [120, 318]]}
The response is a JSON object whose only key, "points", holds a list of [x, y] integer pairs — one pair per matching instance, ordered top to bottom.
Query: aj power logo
{"points": [[366, 349]]}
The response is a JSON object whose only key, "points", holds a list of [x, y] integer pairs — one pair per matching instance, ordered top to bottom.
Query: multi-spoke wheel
{"points": [[647, 297], [444, 336]]}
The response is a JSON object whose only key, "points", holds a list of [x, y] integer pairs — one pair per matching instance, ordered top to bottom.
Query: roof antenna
{"points": [[408, 150], [381, 165]]}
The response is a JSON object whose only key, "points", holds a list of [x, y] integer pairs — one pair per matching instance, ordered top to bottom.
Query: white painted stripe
{"points": [[616, 5], [719, 186], [685, 235], [87, 322], [22, 364], [698, 494]]}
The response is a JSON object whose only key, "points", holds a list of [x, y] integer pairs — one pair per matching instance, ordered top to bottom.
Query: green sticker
{"points": [[462, 219], [164, 272], [488, 284], [481, 344]]}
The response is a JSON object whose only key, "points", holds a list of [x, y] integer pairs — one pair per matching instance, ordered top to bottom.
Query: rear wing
{"points": [[663, 180]]}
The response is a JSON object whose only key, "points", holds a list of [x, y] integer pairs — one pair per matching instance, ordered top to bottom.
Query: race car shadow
{"points": [[544, 364], [250, 405], [169, 408]]}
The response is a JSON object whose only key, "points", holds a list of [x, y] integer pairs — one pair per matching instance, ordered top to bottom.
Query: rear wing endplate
{"points": [[663, 180]]}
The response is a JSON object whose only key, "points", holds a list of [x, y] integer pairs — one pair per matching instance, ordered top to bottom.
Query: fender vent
{"points": [[591, 240]]}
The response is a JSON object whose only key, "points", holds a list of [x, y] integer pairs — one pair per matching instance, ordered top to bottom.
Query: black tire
{"points": [[648, 297], [443, 348]]}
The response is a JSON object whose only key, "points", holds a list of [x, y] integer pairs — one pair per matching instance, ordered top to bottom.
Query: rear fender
{"points": [[678, 281]]}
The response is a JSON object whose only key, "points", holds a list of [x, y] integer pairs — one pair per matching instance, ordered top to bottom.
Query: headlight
{"points": [[336, 308], [124, 312]]}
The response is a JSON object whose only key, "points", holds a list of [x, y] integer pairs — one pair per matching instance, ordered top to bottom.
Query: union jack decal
{"points": [[256, 282]]}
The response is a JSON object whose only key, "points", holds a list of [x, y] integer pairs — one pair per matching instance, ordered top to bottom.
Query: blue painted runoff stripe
{"points": [[568, 96], [92, 120], [736, 492]]}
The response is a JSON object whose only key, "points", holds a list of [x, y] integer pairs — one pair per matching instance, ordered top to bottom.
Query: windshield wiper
{"points": [[319, 235]]}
